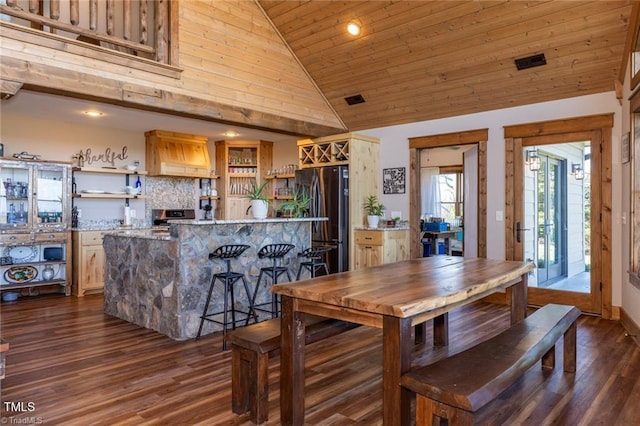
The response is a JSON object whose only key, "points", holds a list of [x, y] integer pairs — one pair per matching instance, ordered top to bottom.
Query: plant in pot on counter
{"points": [[259, 203], [298, 204], [374, 209]]}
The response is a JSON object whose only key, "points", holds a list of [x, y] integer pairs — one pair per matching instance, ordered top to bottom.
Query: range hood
{"points": [[177, 154]]}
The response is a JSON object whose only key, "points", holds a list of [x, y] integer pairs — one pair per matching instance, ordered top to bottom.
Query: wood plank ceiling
{"points": [[422, 60]]}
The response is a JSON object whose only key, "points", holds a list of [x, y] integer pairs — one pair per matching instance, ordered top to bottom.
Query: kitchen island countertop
{"points": [[242, 221]]}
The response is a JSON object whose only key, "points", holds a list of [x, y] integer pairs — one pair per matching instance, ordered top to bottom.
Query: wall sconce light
{"points": [[533, 160], [577, 171]]}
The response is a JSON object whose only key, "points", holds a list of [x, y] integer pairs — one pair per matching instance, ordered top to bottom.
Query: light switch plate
{"points": [[499, 215]]}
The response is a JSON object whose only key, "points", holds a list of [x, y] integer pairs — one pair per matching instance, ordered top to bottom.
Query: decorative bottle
{"points": [[138, 186]]}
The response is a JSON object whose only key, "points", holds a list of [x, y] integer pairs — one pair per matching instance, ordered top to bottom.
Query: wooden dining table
{"points": [[394, 297]]}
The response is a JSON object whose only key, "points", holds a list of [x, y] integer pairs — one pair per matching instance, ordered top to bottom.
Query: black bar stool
{"points": [[274, 252], [315, 256], [228, 279]]}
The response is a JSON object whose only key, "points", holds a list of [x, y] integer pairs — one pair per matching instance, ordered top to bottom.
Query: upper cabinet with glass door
{"points": [[34, 196]]}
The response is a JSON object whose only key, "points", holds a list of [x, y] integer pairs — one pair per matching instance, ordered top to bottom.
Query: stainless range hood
{"points": [[177, 154]]}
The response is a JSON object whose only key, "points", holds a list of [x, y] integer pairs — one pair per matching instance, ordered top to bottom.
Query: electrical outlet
{"points": [[79, 213], [133, 213]]}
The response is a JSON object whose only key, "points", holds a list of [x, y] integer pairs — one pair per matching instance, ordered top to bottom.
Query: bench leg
{"points": [[441, 330], [420, 336], [570, 349], [549, 359], [240, 376], [250, 384], [430, 412]]}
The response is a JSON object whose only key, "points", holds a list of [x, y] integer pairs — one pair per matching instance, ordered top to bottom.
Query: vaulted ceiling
{"points": [[421, 60]]}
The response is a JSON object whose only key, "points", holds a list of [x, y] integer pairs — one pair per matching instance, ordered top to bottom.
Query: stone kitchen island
{"points": [[160, 280]]}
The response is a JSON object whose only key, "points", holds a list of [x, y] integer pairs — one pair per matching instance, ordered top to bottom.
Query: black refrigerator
{"points": [[328, 188]]}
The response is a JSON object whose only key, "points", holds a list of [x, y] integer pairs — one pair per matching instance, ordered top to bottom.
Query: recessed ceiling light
{"points": [[353, 28], [93, 113], [231, 134]]}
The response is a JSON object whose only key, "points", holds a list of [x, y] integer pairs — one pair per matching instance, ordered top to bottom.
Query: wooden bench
{"points": [[251, 346], [455, 388]]}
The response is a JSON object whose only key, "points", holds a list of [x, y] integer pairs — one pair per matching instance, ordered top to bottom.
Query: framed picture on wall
{"points": [[393, 180]]}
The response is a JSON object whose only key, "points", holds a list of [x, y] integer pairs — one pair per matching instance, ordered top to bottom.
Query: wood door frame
{"points": [[597, 129], [477, 137]]}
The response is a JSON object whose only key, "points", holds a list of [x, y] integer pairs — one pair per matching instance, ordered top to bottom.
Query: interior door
{"points": [[471, 202]]}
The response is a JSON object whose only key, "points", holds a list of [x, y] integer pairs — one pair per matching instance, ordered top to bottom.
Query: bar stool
{"points": [[274, 252], [315, 256], [228, 278]]}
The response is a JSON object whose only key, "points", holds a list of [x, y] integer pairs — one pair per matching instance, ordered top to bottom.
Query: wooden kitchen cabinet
{"points": [[177, 154], [361, 154], [238, 163], [379, 246], [89, 262]]}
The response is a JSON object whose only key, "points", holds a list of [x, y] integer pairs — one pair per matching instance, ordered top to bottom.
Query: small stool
{"points": [[273, 252], [315, 255], [228, 278]]}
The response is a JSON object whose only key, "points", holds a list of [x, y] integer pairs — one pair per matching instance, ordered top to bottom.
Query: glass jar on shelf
{"points": [[205, 187]]}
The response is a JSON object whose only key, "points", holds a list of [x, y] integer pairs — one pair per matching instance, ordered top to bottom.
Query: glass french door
{"points": [[551, 212], [554, 229]]}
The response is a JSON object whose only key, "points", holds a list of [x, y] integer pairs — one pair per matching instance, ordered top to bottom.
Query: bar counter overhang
{"points": [[161, 281]]}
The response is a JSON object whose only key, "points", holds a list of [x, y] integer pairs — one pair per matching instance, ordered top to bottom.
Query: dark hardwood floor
{"points": [[78, 366]]}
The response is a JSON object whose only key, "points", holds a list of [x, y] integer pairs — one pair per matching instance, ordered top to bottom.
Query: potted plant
{"points": [[259, 203], [298, 203], [374, 209]]}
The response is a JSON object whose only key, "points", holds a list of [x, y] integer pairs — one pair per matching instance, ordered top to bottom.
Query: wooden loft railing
{"points": [[137, 27]]}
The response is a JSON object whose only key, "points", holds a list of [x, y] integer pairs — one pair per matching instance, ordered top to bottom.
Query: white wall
{"points": [[59, 141], [394, 143]]}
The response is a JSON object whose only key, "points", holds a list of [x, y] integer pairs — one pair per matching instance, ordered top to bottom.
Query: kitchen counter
{"points": [[382, 228], [161, 281]]}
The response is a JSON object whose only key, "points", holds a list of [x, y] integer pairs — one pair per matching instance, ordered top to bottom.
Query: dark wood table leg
{"points": [[517, 295], [441, 330], [420, 333], [396, 360], [291, 364]]}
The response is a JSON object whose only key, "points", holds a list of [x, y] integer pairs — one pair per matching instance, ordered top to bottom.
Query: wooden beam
{"points": [[631, 43], [9, 88], [147, 98], [592, 122], [449, 139]]}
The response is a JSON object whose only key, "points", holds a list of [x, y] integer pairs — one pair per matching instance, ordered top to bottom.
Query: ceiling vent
{"points": [[530, 61], [355, 99]]}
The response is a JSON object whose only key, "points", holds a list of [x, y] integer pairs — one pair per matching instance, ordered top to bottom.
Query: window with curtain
{"points": [[451, 184], [430, 192]]}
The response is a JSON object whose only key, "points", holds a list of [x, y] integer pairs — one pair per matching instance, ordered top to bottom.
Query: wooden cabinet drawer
{"points": [[51, 237], [369, 237], [91, 238], [15, 239]]}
